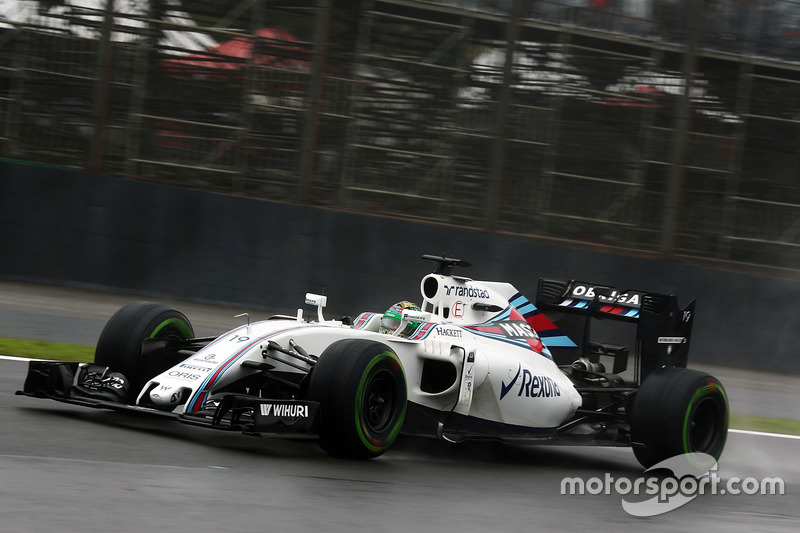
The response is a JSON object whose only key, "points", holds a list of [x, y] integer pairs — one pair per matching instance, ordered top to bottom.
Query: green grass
{"points": [[46, 350], [85, 354], [762, 423]]}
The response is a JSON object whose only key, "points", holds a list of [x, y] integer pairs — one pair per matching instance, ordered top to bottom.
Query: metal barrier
{"points": [[660, 126]]}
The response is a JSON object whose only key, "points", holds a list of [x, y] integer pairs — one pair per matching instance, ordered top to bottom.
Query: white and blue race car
{"points": [[476, 359]]}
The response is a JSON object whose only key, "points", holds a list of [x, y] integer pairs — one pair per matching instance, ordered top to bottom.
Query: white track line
{"points": [[14, 358], [763, 434]]}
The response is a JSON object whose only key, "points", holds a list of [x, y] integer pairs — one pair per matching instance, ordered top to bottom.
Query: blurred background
{"points": [[665, 126], [239, 151]]}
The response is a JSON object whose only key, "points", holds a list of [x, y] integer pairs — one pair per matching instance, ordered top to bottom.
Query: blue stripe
{"points": [[518, 300], [527, 309], [362, 320], [422, 332], [560, 342], [209, 382]]}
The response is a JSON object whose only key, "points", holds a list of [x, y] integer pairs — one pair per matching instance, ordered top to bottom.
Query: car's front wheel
{"points": [[120, 344], [361, 388]]}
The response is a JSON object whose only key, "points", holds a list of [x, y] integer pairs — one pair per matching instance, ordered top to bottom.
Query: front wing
{"points": [[67, 382]]}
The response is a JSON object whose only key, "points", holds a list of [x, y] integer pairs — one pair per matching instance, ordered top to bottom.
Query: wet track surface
{"points": [[67, 468]]}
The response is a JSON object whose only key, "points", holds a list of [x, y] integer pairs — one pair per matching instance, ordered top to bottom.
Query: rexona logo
{"points": [[531, 385], [289, 410]]}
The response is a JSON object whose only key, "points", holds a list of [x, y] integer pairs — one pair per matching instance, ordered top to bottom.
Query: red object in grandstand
{"points": [[235, 54], [637, 99]]}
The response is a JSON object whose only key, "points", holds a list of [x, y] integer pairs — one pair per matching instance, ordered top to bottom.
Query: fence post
{"points": [[249, 89], [16, 92], [139, 92], [102, 94], [682, 123], [500, 144], [351, 151], [308, 167]]}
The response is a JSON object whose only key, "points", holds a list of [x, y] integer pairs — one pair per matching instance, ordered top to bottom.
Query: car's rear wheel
{"points": [[120, 344], [361, 388], [678, 411]]}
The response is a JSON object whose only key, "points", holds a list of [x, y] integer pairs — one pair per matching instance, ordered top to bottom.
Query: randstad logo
{"points": [[693, 474]]}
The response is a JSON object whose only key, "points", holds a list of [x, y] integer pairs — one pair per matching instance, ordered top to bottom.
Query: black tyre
{"points": [[120, 343], [361, 388], [678, 411]]}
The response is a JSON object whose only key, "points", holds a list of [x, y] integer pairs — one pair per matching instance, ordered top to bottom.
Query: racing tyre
{"points": [[120, 343], [361, 388], [678, 411]]}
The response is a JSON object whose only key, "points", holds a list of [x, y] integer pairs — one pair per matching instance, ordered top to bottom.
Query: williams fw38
{"points": [[475, 360]]}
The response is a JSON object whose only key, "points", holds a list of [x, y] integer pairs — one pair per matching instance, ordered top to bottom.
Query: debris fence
{"points": [[665, 127]]}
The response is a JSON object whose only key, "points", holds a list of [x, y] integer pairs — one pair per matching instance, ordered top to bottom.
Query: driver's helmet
{"points": [[392, 317]]}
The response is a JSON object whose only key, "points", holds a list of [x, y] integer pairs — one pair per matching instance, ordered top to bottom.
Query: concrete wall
{"points": [[66, 227]]}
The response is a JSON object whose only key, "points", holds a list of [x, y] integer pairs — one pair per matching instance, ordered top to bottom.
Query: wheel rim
{"points": [[172, 328], [379, 401], [704, 426]]}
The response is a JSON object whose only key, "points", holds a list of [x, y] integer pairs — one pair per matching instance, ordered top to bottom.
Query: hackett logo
{"points": [[531, 385]]}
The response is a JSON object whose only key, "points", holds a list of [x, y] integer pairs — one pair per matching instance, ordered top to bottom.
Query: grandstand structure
{"points": [[665, 128]]}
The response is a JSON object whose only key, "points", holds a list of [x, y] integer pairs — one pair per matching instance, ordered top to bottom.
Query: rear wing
{"points": [[663, 327]]}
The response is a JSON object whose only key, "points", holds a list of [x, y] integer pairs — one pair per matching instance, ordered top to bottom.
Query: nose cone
{"points": [[166, 397]]}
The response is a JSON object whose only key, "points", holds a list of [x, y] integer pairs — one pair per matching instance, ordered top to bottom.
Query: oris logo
{"points": [[184, 375]]}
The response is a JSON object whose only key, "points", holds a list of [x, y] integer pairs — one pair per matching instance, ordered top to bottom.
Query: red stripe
{"points": [[539, 322], [536, 345], [201, 398]]}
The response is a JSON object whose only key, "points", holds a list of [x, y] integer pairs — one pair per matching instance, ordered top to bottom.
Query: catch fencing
{"points": [[664, 127]]}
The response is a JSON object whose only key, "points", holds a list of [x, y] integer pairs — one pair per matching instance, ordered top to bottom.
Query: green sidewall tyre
{"points": [[120, 344], [361, 388], [678, 411]]}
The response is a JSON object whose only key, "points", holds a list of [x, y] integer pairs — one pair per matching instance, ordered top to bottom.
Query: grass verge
{"points": [[46, 350], [85, 354], [765, 424]]}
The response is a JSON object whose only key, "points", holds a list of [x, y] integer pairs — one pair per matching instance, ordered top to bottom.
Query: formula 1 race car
{"points": [[476, 360]]}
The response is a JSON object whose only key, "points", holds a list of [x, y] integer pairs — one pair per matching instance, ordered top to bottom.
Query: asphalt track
{"points": [[66, 468]]}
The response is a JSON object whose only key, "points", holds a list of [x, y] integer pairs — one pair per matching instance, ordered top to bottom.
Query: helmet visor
{"points": [[389, 323]]}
